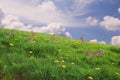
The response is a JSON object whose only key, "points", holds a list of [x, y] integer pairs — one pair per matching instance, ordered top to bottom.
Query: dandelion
{"points": [[11, 44], [59, 50], [30, 52], [61, 57], [56, 61], [62, 61], [72, 63], [113, 63], [63, 66], [97, 69], [90, 78]]}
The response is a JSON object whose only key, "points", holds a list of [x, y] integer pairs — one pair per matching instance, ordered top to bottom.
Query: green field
{"points": [[45, 59]]}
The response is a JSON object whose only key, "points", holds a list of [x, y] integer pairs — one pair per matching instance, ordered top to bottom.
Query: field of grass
{"points": [[44, 59]]}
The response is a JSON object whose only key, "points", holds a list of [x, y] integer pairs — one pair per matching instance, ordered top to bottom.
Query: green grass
{"points": [[45, 59]]}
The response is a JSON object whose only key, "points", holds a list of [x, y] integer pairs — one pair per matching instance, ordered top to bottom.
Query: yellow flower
{"points": [[16, 39], [11, 44], [59, 50], [30, 52], [61, 57], [56, 61], [62, 61], [72, 63], [113, 63], [63, 66], [97, 69], [90, 78]]}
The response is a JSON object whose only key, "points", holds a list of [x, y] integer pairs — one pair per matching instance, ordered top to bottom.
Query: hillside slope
{"points": [[47, 57]]}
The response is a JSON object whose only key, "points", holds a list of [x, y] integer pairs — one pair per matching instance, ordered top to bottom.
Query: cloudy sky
{"points": [[96, 20]]}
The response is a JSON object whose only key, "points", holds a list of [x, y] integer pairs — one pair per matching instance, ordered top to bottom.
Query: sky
{"points": [[95, 20]]}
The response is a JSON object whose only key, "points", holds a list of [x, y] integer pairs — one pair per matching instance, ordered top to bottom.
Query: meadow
{"points": [[46, 59]]}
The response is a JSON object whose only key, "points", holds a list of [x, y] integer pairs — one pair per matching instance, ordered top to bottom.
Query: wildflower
{"points": [[11, 44], [59, 50], [30, 52], [61, 57], [56, 61], [62, 61], [72, 63], [113, 63], [63, 66], [97, 69], [117, 73], [90, 78]]}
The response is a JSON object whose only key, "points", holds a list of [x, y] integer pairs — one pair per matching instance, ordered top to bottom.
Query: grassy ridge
{"points": [[45, 59]]}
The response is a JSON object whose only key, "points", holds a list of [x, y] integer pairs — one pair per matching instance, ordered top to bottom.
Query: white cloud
{"points": [[84, 2], [80, 7], [119, 10], [48, 11], [44, 13], [1, 16], [91, 21], [13, 22], [111, 23], [52, 28], [67, 34], [95, 40], [115, 40], [103, 42]]}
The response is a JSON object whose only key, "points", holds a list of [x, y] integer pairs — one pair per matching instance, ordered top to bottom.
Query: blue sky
{"points": [[96, 20]]}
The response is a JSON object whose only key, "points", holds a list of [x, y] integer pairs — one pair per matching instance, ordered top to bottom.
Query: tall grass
{"points": [[44, 59]]}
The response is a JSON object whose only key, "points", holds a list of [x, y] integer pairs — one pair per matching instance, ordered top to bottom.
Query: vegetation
{"points": [[45, 59]]}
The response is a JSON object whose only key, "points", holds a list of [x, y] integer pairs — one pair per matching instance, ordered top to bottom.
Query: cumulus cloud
{"points": [[84, 2], [119, 10], [48, 11], [43, 13], [1, 16], [91, 21], [13, 22], [111, 23], [52, 28], [67, 34], [95, 40], [115, 40]]}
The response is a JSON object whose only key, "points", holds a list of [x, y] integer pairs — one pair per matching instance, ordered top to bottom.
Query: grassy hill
{"points": [[46, 59]]}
